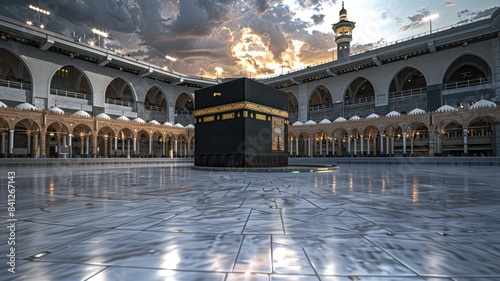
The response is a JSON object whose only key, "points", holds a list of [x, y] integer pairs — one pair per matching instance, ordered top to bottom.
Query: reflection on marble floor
{"points": [[363, 222]]}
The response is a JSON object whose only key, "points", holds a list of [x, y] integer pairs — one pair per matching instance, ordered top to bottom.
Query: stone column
{"points": [[432, 136], [28, 138], [387, 140], [82, 141], [11, 142], [94, 144], [381, 144], [404, 144], [466, 144], [70, 145], [87, 145], [327, 145], [150, 146], [333, 146], [349, 146], [362, 146], [368, 146], [105, 147], [128, 147], [296, 147], [175, 148], [290, 148], [321, 148], [43, 149], [136, 149], [36, 151]]}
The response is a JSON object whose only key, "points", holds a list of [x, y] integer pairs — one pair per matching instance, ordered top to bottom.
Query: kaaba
{"points": [[241, 123]]}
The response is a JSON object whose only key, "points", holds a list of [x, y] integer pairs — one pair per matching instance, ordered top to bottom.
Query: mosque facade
{"points": [[435, 94]]}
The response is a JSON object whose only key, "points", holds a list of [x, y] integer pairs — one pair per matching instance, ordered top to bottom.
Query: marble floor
{"points": [[362, 222]]}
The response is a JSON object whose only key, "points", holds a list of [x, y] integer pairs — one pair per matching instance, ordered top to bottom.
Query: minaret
{"points": [[343, 34]]}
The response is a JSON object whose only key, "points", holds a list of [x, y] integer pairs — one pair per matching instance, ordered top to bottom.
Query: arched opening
{"points": [[467, 70], [14, 74], [68, 81], [407, 82], [359, 91], [119, 93], [155, 100], [320, 103], [293, 108], [184, 109], [4, 131], [480, 136], [371, 137], [389, 138], [25, 139], [452, 139], [419, 140], [57, 141], [82, 141], [105, 142], [339, 142], [125, 143], [143, 144], [321, 144], [169, 145], [303, 145], [182, 146]]}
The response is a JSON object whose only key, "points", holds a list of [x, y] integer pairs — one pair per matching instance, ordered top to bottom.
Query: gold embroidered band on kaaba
{"points": [[241, 105]]}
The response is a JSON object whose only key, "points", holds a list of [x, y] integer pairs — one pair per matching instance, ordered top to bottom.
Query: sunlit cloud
{"points": [[450, 4]]}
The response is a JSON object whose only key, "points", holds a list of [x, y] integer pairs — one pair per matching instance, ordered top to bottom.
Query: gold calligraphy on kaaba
{"points": [[239, 106], [226, 116], [260, 117], [208, 118], [278, 133]]}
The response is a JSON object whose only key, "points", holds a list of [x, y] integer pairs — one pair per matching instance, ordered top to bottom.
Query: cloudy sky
{"points": [[256, 38]]}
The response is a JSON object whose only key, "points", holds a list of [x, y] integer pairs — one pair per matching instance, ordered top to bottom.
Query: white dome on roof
{"points": [[2, 104], [483, 104], [26, 106], [445, 108], [56, 110], [416, 111], [81, 113], [393, 113], [103, 116], [372, 116], [355, 117], [123, 118], [340, 119], [139, 120], [325, 121], [154, 122], [310, 122], [297, 123], [167, 124], [178, 125], [190, 126]]}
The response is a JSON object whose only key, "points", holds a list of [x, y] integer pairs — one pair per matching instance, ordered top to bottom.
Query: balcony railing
{"points": [[468, 83], [14, 84], [408, 93], [69, 94], [359, 101], [119, 102], [320, 106], [155, 108]]}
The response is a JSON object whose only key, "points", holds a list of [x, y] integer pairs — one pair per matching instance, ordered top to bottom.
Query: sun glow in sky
{"points": [[256, 38]]}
